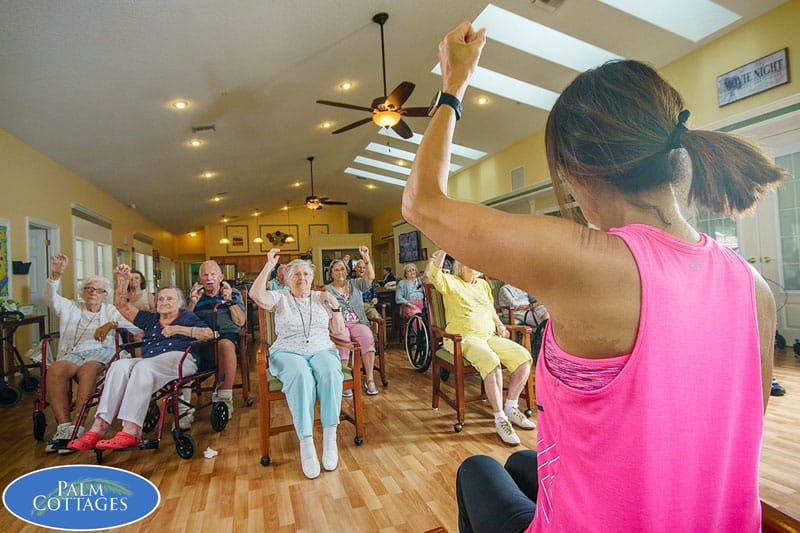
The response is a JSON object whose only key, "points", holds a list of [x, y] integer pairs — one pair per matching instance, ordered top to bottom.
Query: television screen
{"points": [[409, 247]]}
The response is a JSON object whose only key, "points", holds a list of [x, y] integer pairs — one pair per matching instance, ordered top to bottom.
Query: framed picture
{"points": [[318, 229], [239, 235], [283, 236], [424, 254], [5, 278]]}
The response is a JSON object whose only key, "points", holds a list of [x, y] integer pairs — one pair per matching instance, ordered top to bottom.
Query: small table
{"points": [[8, 368]]}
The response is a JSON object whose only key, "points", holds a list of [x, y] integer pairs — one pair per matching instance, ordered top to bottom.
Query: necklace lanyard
{"points": [[80, 333], [306, 334]]}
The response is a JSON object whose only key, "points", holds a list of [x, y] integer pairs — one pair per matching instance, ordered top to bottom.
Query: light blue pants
{"points": [[305, 378]]}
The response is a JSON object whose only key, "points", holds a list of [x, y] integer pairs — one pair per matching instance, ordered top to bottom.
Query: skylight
{"points": [[691, 19], [539, 40], [457, 149], [399, 154], [382, 165], [373, 176]]}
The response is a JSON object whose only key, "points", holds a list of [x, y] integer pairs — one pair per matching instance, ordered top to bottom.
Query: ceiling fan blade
{"points": [[400, 94], [346, 106], [416, 112], [354, 125], [402, 129], [333, 202]]}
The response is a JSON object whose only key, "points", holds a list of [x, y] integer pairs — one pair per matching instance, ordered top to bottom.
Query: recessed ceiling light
{"points": [[346, 85], [482, 100], [180, 104], [327, 124], [195, 143], [400, 162], [207, 174], [373, 176], [297, 184], [371, 186], [216, 199], [285, 208], [224, 219], [192, 234]]}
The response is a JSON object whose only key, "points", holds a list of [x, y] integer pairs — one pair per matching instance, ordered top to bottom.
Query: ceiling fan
{"points": [[387, 110], [314, 202]]}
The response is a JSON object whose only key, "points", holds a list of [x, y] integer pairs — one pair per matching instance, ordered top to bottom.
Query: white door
{"points": [[770, 237], [40, 248]]}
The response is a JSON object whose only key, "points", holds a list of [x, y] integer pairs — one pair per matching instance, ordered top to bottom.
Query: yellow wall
{"points": [[695, 75], [35, 186], [336, 220]]}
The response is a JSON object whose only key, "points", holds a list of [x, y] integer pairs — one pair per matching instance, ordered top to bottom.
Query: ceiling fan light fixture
{"points": [[386, 119], [313, 204]]}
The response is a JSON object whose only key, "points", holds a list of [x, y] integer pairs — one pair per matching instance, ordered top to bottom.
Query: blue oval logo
{"points": [[81, 497]]}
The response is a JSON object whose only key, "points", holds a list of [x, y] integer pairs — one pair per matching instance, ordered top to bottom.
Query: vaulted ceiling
{"points": [[91, 83]]}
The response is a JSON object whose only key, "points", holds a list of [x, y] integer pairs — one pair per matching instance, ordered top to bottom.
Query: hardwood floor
{"points": [[401, 479]]}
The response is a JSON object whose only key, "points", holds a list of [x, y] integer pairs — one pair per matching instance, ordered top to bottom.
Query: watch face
{"points": [[434, 103]]}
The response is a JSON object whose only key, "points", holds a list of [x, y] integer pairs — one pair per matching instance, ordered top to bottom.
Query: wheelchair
{"points": [[416, 340], [29, 383]]}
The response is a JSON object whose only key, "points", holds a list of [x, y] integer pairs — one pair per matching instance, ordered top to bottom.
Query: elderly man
{"points": [[278, 283], [369, 296], [231, 316]]}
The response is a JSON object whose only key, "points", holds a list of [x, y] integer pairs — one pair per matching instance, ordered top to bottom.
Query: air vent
{"points": [[548, 5], [199, 129], [517, 178]]}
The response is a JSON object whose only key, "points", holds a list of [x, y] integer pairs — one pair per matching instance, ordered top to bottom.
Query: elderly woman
{"points": [[137, 292], [348, 292], [410, 294], [527, 310], [470, 313], [79, 353], [304, 358], [130, 382], [623, 420]]}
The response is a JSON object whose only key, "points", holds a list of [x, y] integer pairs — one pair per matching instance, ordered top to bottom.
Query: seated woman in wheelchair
{"points": [[410, 294], [470, 313], [79, 353], [303, 357], [129, 383]]}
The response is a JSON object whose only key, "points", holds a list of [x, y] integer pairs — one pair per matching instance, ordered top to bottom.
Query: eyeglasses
{"points": [[94, 290]]}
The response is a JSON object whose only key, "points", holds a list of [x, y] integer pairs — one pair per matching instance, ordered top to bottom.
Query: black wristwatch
{"points": [[445, 99], [337, 310]]}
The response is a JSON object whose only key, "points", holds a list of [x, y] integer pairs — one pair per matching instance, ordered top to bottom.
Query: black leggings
{"points": [[493, 498]]}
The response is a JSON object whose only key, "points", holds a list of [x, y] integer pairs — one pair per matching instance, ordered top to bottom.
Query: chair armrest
{"points": [[509, 309], [525, 330], [455, 337]]}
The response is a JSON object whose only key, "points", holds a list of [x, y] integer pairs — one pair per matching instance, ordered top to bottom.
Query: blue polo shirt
{"points": [[154, 343]]}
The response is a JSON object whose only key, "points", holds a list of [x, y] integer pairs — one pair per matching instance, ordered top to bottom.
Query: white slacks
{"points": [[130, 383]]}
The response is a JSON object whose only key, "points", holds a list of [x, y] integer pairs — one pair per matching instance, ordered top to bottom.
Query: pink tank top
{"points": [[672, 442]]}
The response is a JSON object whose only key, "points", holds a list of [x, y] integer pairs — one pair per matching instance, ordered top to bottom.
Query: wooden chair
{"points": [[380, 346], [244, 363], [453, 363], [270, 388], [775, 521]]}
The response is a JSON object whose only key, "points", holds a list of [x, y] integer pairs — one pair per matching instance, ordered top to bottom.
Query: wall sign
{"points": [[756, 77]]}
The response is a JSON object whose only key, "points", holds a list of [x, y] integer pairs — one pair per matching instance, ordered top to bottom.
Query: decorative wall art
{"points": [[239, 235]]}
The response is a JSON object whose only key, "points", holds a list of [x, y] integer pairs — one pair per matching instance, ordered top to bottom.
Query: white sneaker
{"points": [[229, 403], [519, 419], [185, 422], [506, 432], [62, 436], [67, 451], [330, 451], [310, 466]]}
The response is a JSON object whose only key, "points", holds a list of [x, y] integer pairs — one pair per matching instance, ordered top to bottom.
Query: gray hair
{"points": [[339, 261], [210, 262], [298, 263], [97, 279], [178, 292]]}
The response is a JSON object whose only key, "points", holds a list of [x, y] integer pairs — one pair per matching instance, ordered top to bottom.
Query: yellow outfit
{"points": [[469, 309]]}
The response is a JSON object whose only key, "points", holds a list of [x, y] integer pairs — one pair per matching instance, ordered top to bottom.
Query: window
{"points": [[789, 221], [719, 227], [92, 248]]}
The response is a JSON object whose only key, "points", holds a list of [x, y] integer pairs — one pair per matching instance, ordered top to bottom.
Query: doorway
{"points": [[43, 242]]}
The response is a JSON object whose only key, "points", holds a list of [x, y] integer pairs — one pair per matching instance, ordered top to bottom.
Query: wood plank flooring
{"points": [[401, 479]]}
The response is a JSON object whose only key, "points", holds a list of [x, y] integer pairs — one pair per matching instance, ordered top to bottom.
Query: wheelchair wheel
{"points": [[780, 341], [416, 343], [9, 395], [219, 416], [151, 418], [39, 424], [184, 444]]}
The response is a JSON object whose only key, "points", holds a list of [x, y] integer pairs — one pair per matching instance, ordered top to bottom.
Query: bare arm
{"points": [[123, 275], [369, 275], [258, 291], [765, 308], [336, 324]]}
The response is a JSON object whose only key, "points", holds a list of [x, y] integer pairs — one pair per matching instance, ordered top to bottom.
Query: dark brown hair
{"points": [[617, 123], [143, 283]]}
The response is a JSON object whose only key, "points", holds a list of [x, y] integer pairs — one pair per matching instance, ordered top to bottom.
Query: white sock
{"points": [[225, 394], [511, 405], [499, 417], [328, 438], [307, 449]]}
